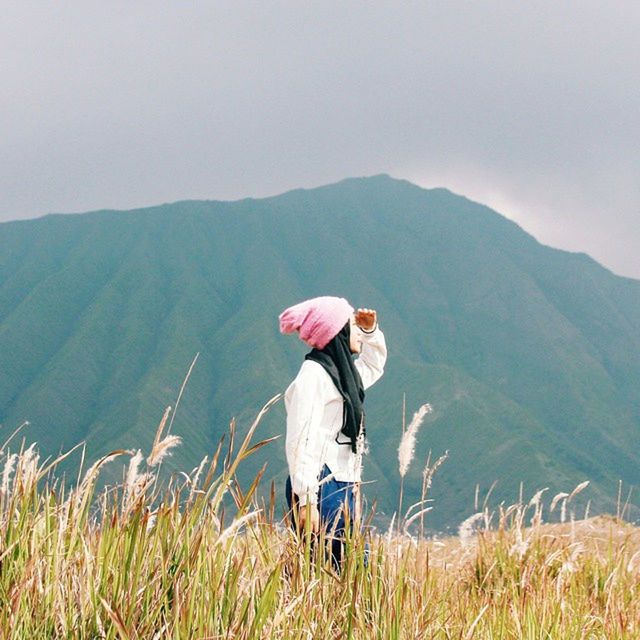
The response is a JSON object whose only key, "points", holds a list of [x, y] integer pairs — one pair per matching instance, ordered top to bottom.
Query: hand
{"points": [[366, 319], [314, 517]]}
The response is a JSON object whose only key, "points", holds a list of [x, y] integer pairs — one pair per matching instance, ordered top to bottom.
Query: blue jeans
{"points": [[332, 497]]}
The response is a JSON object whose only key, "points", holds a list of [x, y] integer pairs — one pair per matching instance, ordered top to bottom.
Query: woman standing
{"points": [[325, 417]]}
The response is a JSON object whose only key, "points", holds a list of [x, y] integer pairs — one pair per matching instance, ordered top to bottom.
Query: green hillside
{"points": [[530, 356]]}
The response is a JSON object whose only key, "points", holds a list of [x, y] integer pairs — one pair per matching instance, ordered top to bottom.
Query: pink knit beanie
{"points": [[318, 320]]}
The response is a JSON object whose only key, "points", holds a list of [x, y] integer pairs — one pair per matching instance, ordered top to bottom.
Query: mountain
{"points": [[529, 355]]}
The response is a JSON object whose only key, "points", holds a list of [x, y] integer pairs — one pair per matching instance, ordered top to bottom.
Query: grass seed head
{"points": [[407, 446], [162, 449]]}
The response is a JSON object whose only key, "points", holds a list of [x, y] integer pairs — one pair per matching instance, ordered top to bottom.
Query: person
{"points": [[325, 433]]}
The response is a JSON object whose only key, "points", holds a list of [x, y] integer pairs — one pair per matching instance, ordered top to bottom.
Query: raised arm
{"points": [[373, 353], [370, 363]]}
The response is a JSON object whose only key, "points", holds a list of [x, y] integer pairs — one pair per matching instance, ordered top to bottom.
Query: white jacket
{"points": [[314, 419]]}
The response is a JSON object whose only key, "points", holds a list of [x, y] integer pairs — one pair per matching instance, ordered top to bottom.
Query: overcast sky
{"points": [[532, 108]]}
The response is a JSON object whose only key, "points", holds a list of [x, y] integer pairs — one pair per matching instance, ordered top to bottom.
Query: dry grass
{"points": [[140, 562]]}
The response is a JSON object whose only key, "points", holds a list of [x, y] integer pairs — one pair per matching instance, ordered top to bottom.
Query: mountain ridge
{"points": [[304, 190]]}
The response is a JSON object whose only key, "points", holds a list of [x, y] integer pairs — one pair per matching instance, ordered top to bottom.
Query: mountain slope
{"points": [[529, 355]]}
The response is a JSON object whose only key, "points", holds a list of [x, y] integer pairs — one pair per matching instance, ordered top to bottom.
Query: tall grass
{"points": [[141, 560]]}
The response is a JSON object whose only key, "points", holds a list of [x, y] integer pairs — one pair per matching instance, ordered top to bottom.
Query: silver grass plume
{"points": [[407, 446], [162, 449], [28, 466], [93, 469], [8, 470], [132, 471], [198, 472], [428, 472], [136, 482], [577, 490], [573, 494], [76, 495], [537, 496], [559, 496], [536, 502], [414, 517], [232, 529], [466, 529], [390, 531], [520, 546], [631, 565]]}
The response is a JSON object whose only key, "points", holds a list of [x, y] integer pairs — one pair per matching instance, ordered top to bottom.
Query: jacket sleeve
{"points": [[370, 363], [304, 401]]}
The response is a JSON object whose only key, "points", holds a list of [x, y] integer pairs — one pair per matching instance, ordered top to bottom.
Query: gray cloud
{"points": [[532, 109]]}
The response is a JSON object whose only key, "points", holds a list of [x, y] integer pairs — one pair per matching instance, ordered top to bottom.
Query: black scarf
{"points": [[337, 360]]}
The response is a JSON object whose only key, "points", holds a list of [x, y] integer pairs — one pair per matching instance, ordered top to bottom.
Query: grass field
{"points": [[141, 560]]}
